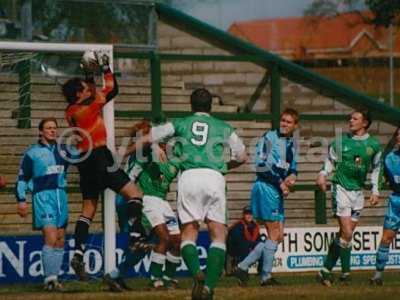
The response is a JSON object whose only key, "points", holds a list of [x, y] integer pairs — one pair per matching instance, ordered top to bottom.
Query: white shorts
{"points": [[201, 196], [347, 203], [158, 211]]}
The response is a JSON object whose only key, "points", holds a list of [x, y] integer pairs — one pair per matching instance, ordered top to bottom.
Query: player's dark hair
{"points": [[71, 88], [201, 100], [291, 112], [366, 116], [45, 120], [143, 127]]}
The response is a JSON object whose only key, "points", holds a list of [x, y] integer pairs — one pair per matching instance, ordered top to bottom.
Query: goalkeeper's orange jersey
{"points": [[86, 115]]}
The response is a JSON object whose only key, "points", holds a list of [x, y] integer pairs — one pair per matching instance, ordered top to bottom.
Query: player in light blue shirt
{"points": [[276, 169], [43, 171], [392, 217]]}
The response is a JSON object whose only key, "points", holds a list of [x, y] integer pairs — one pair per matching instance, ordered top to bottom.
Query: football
{"points": [[89, 61]]}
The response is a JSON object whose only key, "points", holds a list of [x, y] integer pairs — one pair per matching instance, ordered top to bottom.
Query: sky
{"points": [[222, 13]]}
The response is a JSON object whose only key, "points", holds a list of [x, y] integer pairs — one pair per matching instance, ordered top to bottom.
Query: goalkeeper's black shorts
{"points": [[98, 172]]}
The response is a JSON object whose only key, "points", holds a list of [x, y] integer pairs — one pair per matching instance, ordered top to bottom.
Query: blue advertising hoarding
{"points": [[20, 257]]}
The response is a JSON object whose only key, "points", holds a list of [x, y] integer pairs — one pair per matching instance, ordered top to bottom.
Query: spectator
{"points": [[243, 236]]}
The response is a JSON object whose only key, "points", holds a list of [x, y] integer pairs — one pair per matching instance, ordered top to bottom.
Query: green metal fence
{"points": [[320, 208]]}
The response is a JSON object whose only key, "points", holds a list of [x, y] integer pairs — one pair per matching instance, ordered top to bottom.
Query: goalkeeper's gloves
{"points": [[103, 60]]}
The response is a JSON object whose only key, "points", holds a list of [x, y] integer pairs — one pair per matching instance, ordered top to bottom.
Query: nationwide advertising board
{"points": [[302, 249], [20, 257]]}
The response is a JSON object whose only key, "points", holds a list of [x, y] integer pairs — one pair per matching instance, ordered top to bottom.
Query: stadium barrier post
{"points": [[155, 69], [276, 95], [320, 206]]}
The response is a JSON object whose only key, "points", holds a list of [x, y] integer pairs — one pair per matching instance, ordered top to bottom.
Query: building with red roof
{"points": [[303, 38], [345, 47]]}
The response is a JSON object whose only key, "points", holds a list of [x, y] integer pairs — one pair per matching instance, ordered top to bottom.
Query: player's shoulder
{"points": [[71, 109], [204, 118], [181, 122], [220, 123], [270, 135], [344, 136], [345, 139], [374, 141], [34, 148], [34, 151], [393, 156], [389, 157], [392, 161]]}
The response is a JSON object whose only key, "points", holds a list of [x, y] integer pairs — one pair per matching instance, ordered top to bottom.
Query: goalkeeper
{"points": [[97, 168], [153, 178]]}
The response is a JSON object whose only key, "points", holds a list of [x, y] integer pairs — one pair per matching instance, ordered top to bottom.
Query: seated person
{"points": [[243, 236]]}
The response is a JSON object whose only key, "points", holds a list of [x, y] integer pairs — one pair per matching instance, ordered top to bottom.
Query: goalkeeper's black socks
{"points": [[134, 209], [136, 229], [81, 234]]}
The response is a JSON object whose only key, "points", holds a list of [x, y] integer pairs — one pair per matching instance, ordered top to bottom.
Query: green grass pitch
{"points": [[294, 286]]}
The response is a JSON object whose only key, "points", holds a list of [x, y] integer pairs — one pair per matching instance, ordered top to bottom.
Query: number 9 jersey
{"points": [[202, 141]]}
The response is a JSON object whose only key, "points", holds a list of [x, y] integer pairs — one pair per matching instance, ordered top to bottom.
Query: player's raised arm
{"points": [[91, 62], [110, 88], [156, 134], [239, 155]]}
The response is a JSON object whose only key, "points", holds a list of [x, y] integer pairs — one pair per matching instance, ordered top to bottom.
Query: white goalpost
{"points": [[108, 114]]}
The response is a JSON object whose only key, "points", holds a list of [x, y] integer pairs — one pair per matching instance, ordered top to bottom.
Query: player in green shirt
{"points": [[201, 141], [352, 156], [153, 177]]}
